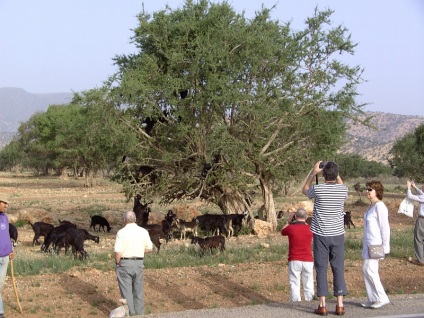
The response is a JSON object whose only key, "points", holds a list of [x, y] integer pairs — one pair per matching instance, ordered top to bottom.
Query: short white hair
{"points": [[130, 217]]}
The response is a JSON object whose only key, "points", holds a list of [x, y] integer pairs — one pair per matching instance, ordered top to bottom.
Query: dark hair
{"points": [[330, 171], [378, 187]]}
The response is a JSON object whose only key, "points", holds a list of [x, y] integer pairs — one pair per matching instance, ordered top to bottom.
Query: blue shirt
{"points": [[5, 243]]}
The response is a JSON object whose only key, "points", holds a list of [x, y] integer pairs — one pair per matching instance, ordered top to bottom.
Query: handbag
{"points": [[376, 251]]}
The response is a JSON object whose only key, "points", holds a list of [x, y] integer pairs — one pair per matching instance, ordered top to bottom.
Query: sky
{"points": [[51, 46]]}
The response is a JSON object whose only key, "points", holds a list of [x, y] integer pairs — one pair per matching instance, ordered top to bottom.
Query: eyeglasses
{"points": [[369, 189]]}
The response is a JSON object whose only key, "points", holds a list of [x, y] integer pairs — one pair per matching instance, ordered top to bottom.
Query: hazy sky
{"points": [[50, 46]]}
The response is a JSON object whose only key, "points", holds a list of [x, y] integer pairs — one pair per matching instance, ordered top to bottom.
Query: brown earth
{"points": [[88, 292]]}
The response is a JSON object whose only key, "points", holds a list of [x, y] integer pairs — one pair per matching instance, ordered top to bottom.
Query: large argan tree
{"points": [[223, 105]]}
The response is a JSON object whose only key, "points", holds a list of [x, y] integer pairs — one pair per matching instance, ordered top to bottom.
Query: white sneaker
{"points": [[367, 304], [379, 304]]}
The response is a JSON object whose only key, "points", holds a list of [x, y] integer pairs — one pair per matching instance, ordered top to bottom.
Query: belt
{"points": [[421, 216], [133, 258]]}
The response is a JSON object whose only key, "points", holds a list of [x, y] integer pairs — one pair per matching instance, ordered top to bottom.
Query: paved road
{"points": [[407, 306]]}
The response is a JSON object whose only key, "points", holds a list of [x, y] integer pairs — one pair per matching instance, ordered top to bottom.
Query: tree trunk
{"points": [[64, 173], [88, 180], [232, 202], [269, 205]]}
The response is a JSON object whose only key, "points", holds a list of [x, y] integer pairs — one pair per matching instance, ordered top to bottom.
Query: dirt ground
{"points": [[88, 292]]}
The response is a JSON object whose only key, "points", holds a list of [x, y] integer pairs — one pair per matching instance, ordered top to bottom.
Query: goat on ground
{"points": [[348, 220], [100, 221], [65, 222], [234, 222], [212, 223], [166, 226], [186, 227], [40, 229], [13, 232], [156, 235], [52, 236], [75, 238], [64, 239], [210, 242]]}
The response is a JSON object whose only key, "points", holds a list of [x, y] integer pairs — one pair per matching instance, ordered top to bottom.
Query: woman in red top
{"points": [[301, 262]]}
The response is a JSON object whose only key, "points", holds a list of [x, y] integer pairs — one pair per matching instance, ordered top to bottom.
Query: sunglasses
{"points": [[369, 189]]}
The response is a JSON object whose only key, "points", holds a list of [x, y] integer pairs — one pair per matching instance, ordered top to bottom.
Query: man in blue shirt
{"points": [[6, 251]]}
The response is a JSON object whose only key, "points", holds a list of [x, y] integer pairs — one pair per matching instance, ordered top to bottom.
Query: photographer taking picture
{"points": [[328, 231]]}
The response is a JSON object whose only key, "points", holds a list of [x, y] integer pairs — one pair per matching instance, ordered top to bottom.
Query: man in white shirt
{"points": [[419, 224], [132, 242]]}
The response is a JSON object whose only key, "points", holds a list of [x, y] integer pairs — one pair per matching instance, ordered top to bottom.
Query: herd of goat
{"points": [[219, 226], [68, 235]]}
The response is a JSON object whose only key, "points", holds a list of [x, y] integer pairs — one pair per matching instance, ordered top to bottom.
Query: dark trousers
{"points": [[329, 248]]}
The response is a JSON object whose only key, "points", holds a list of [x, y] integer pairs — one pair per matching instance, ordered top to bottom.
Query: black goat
{"points": [[141, 210], [279, 214], [348, 220], [64, 222], [101, 222], [214, 223], [40, 229], [13, 232], [53, 235], [75, 238], [63, 239], [211, 242]]}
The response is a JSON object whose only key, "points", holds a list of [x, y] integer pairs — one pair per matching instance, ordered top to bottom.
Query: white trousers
{"points": [[304, 270], [373, 285]]}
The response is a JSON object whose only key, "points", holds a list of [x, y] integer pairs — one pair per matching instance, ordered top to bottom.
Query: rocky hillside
{"points": [[17, 105], [375, 143]]}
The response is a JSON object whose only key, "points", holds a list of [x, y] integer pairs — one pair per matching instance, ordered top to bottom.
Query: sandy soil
{"points": [[88, 292]]}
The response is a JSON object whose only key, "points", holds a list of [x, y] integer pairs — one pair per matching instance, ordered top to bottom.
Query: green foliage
{"points": [[229, 104], [407, 155], [11, 156], [354, 166], [20, 223], [402, 243], [24, 266]]}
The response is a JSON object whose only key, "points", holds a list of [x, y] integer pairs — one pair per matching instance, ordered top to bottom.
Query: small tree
{"points": [[407, 155]]}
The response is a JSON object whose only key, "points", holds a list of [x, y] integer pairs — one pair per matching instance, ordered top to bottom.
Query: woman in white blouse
{"points": [[376, 232]]}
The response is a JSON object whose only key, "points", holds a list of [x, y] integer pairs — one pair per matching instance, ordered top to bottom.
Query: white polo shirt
{"points": [[132, 240]]}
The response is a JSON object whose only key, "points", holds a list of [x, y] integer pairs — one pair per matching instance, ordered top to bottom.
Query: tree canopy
{"points": [[222, 104]]}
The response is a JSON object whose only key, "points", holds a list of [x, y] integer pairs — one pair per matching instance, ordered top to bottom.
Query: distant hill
{"points": [[17, 105], [374, 144]]}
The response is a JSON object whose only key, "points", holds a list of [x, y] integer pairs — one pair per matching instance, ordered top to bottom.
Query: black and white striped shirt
{"points": [[328, 213]]}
